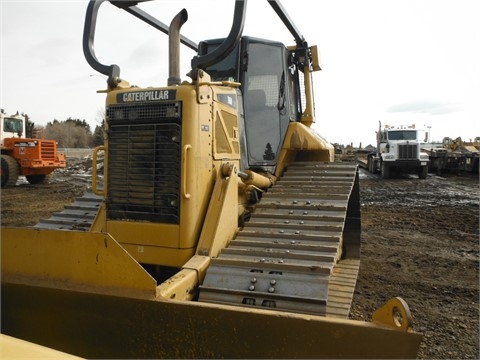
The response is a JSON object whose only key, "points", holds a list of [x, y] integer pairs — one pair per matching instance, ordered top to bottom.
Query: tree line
{"points": [[69, 133]]}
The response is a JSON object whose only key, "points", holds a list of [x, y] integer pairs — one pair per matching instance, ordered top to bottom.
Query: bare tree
{"points": [[71, 133]]}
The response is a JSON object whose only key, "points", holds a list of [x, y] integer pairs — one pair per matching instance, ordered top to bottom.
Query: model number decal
{"points": [[25, 144]]}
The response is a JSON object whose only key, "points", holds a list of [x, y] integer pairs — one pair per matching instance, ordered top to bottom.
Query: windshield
{"points": [[12, 125], [402, 135]]}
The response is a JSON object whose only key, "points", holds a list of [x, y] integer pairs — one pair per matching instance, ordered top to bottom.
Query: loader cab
{"points": [[269, 94], [12, 126]]}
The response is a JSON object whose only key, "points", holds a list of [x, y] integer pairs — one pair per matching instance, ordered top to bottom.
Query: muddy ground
{"points": [[420, 241]]}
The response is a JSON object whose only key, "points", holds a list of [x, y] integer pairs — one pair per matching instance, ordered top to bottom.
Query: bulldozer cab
{"points": [[269, 80]]}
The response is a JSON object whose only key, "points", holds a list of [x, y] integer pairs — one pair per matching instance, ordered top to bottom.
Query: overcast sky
{"points": [[394, 61]]}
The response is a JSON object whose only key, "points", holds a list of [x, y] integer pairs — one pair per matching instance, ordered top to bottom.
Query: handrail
{"points": [[282, 14], [226, 47], [198, 62], [112, 71], [185, 178], [95, 190]]}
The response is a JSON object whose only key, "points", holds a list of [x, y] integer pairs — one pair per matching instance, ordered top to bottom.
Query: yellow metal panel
{"points": [[315, 58], [226, 132], [301, 137], [304, 144], [198, 169], [222, 216], [99, 223], [144, 233], [157, 255], [71, 260], [183, 285], [98, 326], [13, 348]]}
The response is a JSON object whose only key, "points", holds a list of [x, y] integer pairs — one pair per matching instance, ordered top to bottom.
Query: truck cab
{"points": [[399, 149]]}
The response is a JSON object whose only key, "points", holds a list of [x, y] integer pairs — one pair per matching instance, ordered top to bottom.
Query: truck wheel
{"points": [[370, 165], [10, 171], [385, 171], [422, 173], [39, 179]]}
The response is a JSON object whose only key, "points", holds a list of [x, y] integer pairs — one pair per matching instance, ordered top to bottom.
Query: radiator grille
{"points": [[47, 150], [407, 151], [144, 162]]}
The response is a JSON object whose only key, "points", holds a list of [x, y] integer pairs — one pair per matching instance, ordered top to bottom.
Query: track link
{"points": [[77, 216], [300, 250]]}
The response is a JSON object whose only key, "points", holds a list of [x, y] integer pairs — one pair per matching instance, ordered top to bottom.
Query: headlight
{"points": [[389, 157], [423, 157]]}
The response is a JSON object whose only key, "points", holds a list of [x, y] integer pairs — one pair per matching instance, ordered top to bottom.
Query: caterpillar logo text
{"points": [[142, 96]]}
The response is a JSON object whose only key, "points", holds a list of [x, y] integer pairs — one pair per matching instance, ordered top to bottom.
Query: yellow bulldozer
{"points": [[222, 228]]}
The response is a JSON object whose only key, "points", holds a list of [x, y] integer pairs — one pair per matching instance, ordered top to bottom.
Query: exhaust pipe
{"points": [[174, 47]]}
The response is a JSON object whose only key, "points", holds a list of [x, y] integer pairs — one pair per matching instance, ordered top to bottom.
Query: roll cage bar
{"points": [[198, 62]]}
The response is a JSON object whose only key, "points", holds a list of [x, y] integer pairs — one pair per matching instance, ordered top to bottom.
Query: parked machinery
{"points": [[454, 156], [34, 158]]}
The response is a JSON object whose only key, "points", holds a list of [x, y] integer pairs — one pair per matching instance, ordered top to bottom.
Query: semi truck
{"points": [[399, 149]]}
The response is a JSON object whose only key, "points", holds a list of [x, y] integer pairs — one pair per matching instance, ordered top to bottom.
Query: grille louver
{"points": [[48, 150], [407, 151], [144, 162]]}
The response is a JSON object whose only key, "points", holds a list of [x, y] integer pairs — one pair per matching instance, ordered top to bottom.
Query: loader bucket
{"points": [[95, 314]]}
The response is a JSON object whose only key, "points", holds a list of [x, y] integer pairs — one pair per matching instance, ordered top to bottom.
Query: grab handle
{"points": [[187, 147], [95, 189]]}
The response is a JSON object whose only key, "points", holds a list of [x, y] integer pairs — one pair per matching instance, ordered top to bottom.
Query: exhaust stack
{"points": [[174, 47]]}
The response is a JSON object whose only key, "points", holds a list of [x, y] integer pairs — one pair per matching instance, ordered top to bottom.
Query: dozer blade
{"points": [[81, 293], [13, 348]]}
